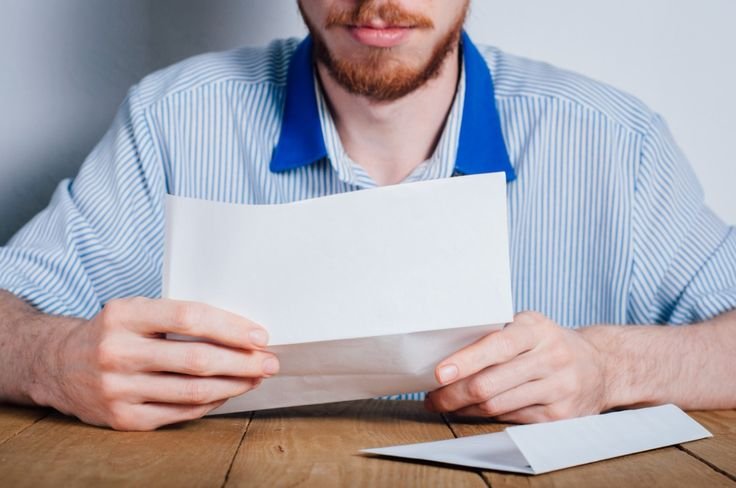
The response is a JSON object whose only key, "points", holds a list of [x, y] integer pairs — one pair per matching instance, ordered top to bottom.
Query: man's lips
{"points": [[379, 36]]}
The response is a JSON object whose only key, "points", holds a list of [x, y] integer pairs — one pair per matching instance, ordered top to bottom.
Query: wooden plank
{"points": [[14, 420], [718, 421], [313, 446], [318, 446], [60, 451], [719, 451], [668, 467]]}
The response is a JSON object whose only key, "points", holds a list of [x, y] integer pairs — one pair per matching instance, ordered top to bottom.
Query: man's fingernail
{"points": [[259, 337], [271, 366], [447, 373]]}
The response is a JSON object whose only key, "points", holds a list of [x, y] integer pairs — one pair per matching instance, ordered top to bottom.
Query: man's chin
{"points": [[385, 74], [379, 82]]}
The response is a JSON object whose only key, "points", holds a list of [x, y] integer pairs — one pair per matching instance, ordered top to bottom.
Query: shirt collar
{"points": [[481, 147]]}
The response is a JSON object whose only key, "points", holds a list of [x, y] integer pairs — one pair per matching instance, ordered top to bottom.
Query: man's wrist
{"points": [[629, 378], [45, 381]]}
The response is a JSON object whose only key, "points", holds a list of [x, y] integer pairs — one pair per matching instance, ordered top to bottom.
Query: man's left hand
{"points": [[531, 371]]}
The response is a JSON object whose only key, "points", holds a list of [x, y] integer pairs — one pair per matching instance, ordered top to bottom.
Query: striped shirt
{"points": [[607, 220]]}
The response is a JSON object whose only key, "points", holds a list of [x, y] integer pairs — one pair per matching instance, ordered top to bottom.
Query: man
{"points": [[607, 225]]}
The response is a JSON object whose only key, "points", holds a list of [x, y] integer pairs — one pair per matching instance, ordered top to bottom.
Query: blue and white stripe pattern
{"points": [[607, 221]]}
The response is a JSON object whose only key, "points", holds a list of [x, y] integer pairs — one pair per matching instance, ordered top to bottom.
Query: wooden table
{"points": [[316, 446]]}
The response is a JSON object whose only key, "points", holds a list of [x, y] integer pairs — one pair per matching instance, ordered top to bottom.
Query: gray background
{"points": [[67, 65]]}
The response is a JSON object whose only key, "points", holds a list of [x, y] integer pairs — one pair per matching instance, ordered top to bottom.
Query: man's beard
{"points": [[372, 77]]}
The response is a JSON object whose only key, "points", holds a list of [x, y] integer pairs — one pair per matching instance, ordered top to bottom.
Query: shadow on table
{"points": [[365, 410]]}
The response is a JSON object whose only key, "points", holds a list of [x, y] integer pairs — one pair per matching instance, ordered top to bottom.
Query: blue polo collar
{"points": [[481, 147]]}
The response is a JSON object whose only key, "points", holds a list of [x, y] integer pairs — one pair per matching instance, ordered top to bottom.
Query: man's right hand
{"points": [[119, 370]]}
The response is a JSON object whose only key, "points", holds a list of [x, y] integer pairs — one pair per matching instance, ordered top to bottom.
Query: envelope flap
{"points": [[566, 443], [486, 451]]}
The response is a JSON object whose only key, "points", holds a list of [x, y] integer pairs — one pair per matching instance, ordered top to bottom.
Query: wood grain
{"points": [[14, 420], [718, 422], [318, 446], [60, 451], [719, 451], [668, 467]]}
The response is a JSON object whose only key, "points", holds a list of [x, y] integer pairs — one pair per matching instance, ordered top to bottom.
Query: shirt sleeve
{"points": [[101, 235], [684, 261]]}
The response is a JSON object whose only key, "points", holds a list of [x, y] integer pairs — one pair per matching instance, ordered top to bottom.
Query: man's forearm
{"points": [[25, 337], [692, 366]]}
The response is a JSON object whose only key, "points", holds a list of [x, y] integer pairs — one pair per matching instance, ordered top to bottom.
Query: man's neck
{"points": [[390, 139]]}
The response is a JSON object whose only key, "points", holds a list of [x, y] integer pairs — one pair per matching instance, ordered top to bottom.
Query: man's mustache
{"points": [[368, 13]]}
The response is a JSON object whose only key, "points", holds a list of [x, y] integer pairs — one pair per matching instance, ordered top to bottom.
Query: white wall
{"points": [[679, 56], [66, 67]]}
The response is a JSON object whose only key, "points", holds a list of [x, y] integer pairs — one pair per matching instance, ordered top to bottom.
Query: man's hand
{"points": [[119, 370], [531, 371]]}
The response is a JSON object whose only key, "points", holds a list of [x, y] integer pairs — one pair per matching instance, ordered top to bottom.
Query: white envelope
{"points": [[363, 293], [545, 447]]}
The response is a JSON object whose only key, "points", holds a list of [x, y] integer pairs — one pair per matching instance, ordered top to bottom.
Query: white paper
{"points": [[362, 293], [545, 447]]}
